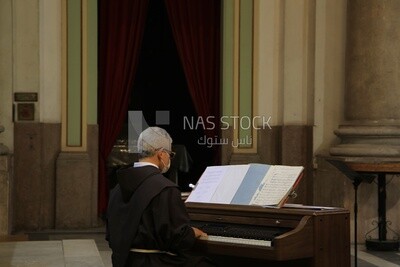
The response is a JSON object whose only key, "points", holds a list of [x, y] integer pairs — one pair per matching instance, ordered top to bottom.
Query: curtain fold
{"points": [[121, 27], [196, 29]]}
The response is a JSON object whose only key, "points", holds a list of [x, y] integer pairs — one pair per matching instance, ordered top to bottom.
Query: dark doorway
{"points": [[160, 85]]}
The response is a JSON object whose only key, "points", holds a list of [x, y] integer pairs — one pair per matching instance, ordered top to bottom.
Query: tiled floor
{"points": [[97, 235], [76, 248], [57, 253], [368, 258]]}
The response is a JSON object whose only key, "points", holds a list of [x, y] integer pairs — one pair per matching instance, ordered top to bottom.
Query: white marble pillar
{"points": [[372, 107], [370, 133]]}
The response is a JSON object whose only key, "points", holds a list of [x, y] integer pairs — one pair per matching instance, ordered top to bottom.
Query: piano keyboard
{"points": [[254, 235], [295, 236], [237, 240]]}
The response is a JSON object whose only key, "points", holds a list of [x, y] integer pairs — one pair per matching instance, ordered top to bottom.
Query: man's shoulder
{"points": [[163, 181]]}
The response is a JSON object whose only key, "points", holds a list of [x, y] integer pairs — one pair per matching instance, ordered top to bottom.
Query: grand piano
{"points": [[293, 235]]}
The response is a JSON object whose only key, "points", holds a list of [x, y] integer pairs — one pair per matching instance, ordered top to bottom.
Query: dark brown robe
{"points": [[145, 211]]}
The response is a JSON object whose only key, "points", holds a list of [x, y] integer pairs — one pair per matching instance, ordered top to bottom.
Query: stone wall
{"points": [[53, 189], [5, 194]]}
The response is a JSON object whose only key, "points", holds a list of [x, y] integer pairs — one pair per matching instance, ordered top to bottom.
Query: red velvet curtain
{"points": [[121, 27], [196, 29]]}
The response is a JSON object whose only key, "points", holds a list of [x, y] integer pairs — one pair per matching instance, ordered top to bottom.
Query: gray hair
{"points": [[153, 139]]}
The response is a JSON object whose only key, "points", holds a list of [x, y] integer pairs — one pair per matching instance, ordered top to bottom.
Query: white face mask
{"points": [[166, 167]]}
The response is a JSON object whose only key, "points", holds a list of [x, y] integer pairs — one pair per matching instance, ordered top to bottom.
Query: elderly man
{"points": [[147, 223]]}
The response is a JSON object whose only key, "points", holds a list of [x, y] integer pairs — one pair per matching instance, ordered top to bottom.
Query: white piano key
{"points": [[237, 240]]}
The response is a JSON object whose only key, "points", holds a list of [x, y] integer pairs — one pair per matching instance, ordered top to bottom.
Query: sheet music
{"points": [[251, 181], [259, 184], [276, 184], [207, 185], [227, 188]]}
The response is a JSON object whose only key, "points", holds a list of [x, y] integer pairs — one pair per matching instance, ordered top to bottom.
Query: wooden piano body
{"points": [[317, 236]]}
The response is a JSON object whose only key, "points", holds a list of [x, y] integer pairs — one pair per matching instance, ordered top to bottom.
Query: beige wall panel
{"points": [[26, 46], [50, 61], [268, 61], [298, 70], [329, 71], [6, 82]]}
